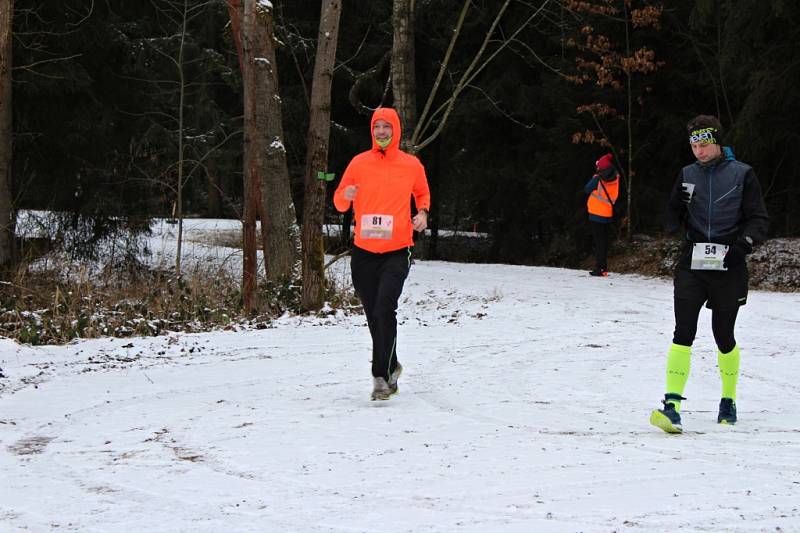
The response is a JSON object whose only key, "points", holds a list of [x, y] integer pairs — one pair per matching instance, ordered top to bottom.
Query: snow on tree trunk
{"points": [[265, 154]]}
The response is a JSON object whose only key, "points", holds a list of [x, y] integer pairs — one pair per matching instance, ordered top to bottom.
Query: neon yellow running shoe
{"points": [[668, 418]]}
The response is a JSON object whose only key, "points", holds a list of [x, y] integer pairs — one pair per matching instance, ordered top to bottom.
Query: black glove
{"points": [[685, 196], [737, 253]]}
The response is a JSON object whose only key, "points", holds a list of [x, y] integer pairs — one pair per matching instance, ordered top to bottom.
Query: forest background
{"points": [[507, 103]]}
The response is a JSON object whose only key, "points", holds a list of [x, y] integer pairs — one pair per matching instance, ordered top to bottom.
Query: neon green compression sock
{"points": [[678, 363], [729, 371]]}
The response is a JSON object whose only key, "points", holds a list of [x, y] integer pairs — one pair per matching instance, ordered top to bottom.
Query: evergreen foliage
{"points": [[95, 102]]}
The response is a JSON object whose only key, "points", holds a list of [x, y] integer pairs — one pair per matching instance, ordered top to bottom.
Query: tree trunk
{"points": [[404, 85], [629, 125], [319, 128], [181, 133], [251, 147], [631, 172], [252, 182], [7, 214], [278, 224]]}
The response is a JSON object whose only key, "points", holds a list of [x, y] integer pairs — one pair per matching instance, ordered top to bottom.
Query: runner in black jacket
{"points": [[719, 202]]}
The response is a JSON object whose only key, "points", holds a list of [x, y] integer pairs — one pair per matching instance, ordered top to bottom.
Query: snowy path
{"points": [[523, 407]]}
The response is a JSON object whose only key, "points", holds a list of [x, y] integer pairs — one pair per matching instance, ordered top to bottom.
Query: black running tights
{"points": [[722, 324]]}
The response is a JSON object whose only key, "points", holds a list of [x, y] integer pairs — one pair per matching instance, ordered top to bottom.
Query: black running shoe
{"points": [[599, 272], [727, 412], [667, 418]]}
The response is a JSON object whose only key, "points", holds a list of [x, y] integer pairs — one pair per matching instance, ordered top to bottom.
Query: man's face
{"points": [[382, 130], [705, 152]]}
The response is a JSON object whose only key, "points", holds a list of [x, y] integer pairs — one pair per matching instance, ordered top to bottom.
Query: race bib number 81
{"points": [[377, 226], [708, 256]]}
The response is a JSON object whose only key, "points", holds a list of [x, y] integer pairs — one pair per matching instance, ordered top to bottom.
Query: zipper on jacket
{"points": [[726, 194]]}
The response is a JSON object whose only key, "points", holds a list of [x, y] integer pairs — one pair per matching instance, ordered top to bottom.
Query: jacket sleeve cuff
{"points": [[340, 203]]}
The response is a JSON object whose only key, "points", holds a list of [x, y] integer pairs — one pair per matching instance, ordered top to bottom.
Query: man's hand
{"points": [[350, 192], [420, 221], [737, 252], [734, 257]]}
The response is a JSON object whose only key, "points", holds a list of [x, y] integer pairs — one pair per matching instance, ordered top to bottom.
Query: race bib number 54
{"points": [[377, 226], [708, 256]]}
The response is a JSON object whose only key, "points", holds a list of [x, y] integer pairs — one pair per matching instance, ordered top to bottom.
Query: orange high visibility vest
{"points": [[601, 204]]}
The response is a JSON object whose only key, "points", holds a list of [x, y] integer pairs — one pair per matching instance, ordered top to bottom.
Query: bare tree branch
{"points": [[30, 66], [472, 71]]}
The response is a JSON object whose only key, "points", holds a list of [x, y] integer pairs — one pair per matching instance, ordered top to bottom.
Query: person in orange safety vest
{"points": [[378, 184], [603, 190]]}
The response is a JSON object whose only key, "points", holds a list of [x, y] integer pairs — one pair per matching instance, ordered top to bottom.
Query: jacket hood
{"points": [[389, 115], [727, 153]]}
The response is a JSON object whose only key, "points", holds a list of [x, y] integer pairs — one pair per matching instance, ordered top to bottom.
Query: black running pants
{"points": [[600, 231], [378, 280]]}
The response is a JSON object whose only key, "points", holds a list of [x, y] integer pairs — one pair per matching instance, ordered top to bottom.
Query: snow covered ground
{"points": [[523, 407]]}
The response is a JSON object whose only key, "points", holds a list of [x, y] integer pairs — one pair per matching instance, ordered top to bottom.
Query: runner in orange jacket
{"points": [[379, 184]]}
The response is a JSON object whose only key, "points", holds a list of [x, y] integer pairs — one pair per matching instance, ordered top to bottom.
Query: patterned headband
{"points": [[704, 135]]}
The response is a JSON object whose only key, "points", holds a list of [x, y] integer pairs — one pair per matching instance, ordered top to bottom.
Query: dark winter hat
{"points": [[605, 162]]}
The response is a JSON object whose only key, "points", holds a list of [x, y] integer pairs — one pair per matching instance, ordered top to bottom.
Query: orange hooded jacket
{"points": [[386, 180]]}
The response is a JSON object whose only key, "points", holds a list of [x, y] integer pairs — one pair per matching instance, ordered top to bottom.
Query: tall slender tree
{"points": [[183, 11], [177, 72], [404, 84], [264, 151], [317, 156], [7, 214]]}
